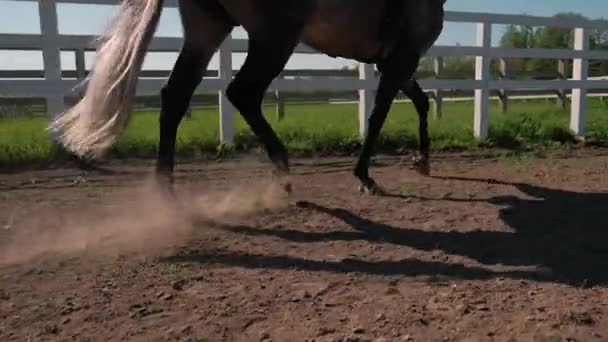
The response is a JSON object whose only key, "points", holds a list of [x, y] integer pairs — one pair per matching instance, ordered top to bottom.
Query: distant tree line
{"points": [[516, 36]]}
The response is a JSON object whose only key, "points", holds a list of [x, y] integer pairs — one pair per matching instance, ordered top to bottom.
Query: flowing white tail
{"points": [[93, 124]]}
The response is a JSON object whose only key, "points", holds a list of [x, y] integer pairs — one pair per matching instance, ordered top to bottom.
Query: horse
{"points": [[391, 34]]}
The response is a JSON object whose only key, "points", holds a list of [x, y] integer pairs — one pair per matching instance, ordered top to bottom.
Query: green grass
{"points": [[326, 129]]}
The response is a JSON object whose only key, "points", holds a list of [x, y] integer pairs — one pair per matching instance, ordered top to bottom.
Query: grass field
{"points": [[324, 128]]}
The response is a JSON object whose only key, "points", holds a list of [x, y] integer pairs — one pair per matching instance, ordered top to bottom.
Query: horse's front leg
{"points": [[399, 67]]}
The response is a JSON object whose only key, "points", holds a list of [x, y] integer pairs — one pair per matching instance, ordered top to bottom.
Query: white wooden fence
{"points": [[54, 87]]}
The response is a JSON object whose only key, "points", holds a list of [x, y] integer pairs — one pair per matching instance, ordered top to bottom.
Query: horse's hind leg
{"points": [[205, 28], [266, 58], [398, 68], [412, 90]]}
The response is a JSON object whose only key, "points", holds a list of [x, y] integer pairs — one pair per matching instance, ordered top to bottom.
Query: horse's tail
{"points": [[92, 125]]}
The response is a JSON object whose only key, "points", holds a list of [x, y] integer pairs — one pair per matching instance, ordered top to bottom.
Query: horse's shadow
{"points": [[560, 230]]}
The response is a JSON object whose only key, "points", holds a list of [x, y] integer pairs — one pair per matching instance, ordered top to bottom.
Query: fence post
{"points": [[47, 9], [81, 68], [580, 72], [482, 73], [503, 93], [437, 95], [366, 97], [562, 99], [280, 103], [226, 110]]}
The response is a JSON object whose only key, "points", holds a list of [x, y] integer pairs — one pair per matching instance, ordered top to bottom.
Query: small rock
{"points": [[447, 195], [178, 285], [106, 290], [392, 291], [168, 296], [482, 307], [463, 309], [380, 317], [532, 318], [579, 318], [65, 321], [51, 329], [358, 330], [325, 331], [264, 336], [356, 339]]}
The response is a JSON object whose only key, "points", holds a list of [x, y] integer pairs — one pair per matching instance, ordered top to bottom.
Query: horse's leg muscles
{"points": [[204, 32], [266, 58], [399, 67], [421, 102]]}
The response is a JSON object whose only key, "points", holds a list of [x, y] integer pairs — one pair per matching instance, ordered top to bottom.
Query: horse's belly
{"points": [[341, 31], [339, 45]]}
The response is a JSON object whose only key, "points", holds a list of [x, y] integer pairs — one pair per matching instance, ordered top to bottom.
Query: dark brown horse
{"points": [[393, 34]]}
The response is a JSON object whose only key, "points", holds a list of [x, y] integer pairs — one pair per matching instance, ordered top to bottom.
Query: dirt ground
{"points": [[483, 250]]}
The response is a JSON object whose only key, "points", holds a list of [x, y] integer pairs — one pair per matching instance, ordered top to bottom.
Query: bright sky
{"points": [[21, 17]]}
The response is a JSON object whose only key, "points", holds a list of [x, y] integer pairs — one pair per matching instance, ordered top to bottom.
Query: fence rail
{"points": [[55, 84]]}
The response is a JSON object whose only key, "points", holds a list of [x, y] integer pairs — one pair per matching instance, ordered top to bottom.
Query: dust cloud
{"points": [[135, 220]]}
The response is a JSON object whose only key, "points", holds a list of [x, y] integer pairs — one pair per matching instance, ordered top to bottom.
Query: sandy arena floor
{"points": [[97, 256]]}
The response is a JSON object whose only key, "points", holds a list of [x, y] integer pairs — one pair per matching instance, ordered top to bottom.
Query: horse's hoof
{"points": [[422, 165], [423, 169], [281, 178], [283, 184], [164, 187], [288, 188], [371, 189]]}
